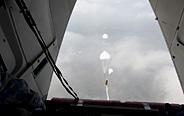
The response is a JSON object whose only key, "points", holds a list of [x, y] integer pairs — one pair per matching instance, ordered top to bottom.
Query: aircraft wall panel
{"points": [[71, 4], [153, 4], [169, 13], [41, 15], [60, 16], [10, 48], [24, 51], [177, 51], [6, 52], [44, 76], [28, 77]]}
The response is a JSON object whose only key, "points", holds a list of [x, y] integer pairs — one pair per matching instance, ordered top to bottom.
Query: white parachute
{"points": [[105, 36], [104, 57], [110, 70]]}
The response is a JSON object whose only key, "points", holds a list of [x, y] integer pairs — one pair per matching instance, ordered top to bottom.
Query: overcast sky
{"points": [[142, 66]]}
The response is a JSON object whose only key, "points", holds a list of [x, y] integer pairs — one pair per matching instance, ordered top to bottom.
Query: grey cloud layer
{"points": [[143, 70]]}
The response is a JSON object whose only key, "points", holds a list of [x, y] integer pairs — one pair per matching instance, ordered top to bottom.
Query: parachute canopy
{"points": [[105, 36], [104, 55], [110, 70]]}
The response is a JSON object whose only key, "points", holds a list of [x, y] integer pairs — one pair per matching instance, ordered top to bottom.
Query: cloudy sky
{"points": [[142, 67]]}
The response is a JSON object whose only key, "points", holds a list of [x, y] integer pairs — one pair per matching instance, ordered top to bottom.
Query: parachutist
{"points": [[106, 82]]}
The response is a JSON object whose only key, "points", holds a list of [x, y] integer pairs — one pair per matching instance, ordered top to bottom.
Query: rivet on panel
{"points": [[178, 28], [4, 40], [173, 56]]}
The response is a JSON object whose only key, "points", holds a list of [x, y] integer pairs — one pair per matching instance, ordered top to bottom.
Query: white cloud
{"points": [[107, 1], [140, 4], [85, 7], [144, 15], [73, 39], [135, 62], [148, 75]]}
